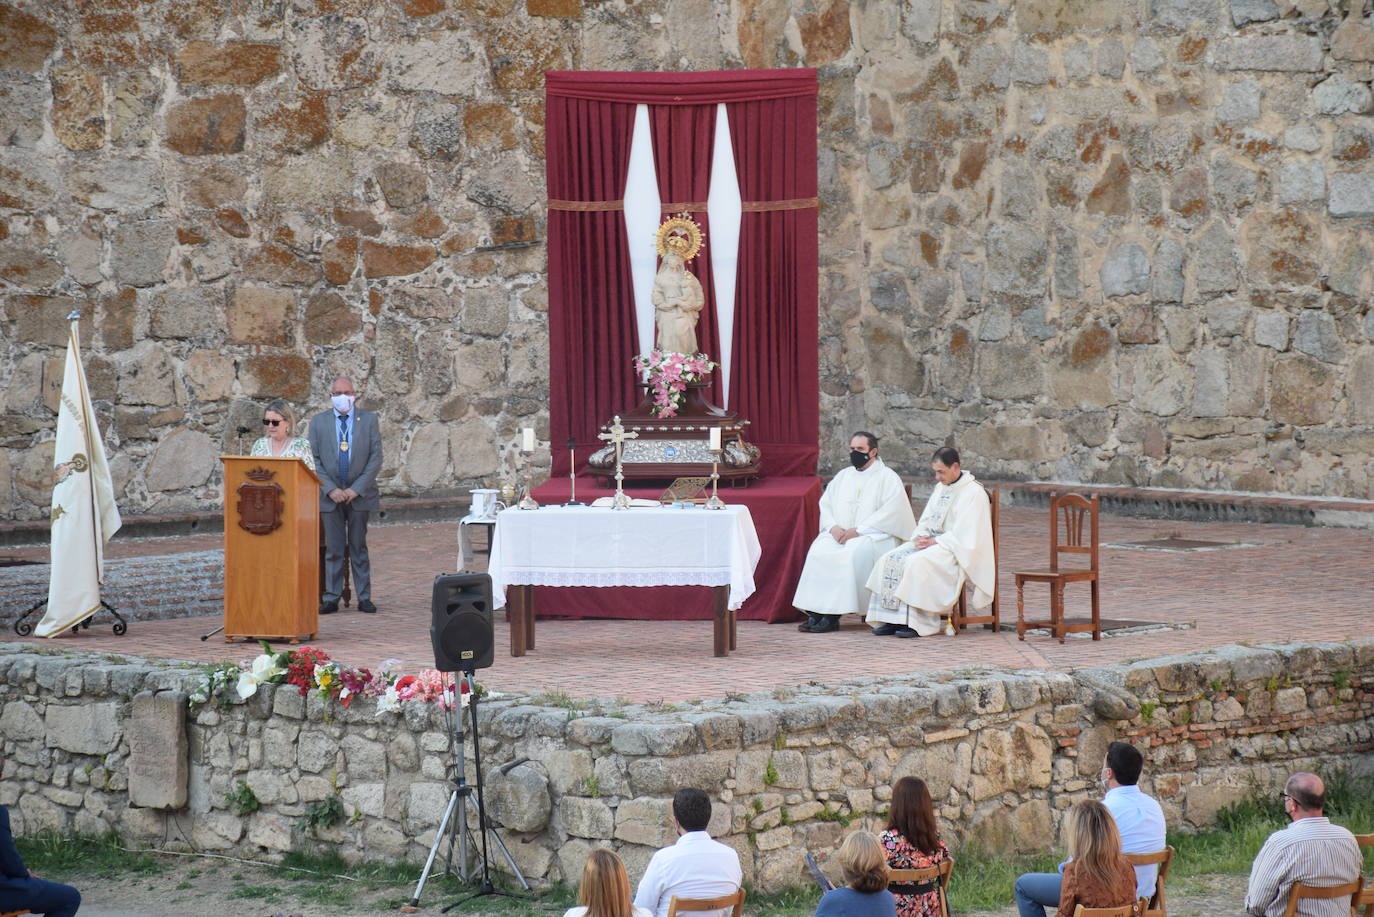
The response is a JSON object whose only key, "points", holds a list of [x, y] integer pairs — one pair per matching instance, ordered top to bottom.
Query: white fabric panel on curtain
{"points": [[724, 209], [641, 222]]}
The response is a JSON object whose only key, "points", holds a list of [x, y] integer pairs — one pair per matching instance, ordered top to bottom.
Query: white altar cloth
{"points": [[642, 546]]}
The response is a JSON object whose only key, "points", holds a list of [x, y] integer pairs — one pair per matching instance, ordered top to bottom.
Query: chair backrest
{"points": [[995, 511], [1078, 516], [939, 872], [1302, 890], [733, 901], [1362, 904], [1154, 906], [1126, 910]]}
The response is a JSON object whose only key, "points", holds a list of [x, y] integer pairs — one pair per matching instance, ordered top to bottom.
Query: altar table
{"points": [[786, 515], [642, 546]]}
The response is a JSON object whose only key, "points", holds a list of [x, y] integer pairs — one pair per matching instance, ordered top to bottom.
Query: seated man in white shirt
{"points": [[1138, 817], [1311, 850], [694, 867]]}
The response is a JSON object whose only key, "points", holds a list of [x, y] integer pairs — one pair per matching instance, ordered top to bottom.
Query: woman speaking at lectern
{"points": [[278, 422]]}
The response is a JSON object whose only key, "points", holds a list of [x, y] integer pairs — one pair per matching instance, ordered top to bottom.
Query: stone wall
{"points": [[1117, 242], [93, 743]]}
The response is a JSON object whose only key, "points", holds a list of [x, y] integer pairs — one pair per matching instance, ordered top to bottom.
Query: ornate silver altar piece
{"points": [[617, 437]]}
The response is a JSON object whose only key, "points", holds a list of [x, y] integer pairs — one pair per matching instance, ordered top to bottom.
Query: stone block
{"points": [[1244, 12], [1353, 40], [27, 42], [1279, 53], [1146, 57], [235, 63], [449, 63], [1340, 95], [78, 100], [1240, 102], [208, 126], [1302, 181], [118, 184], [1352, 194], [1111, 196], [139, 252], [1017, 259], [381, 260], [1217, 260], [1126, 271], [1166, 283], [486, 311], [261, 315], [1271, 330], [1316, 336], [280, 375], [184, 458], [19, 722], [84, 729], [158, 766], [590, 818], [645, 820], [270, 831]]}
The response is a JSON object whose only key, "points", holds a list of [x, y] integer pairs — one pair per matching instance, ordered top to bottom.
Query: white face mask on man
{"points": [[342, 403]]}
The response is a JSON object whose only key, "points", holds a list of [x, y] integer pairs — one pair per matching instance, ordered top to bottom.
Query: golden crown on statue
{"points": [[681, 234]]}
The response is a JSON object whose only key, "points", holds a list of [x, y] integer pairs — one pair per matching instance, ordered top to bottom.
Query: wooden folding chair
{"points": [[1073, 511], [959, 617], [939, 873], [1302, 890], [735, 901], [1154, 905], [1362, 905], [1126, 910], [13, 913]]}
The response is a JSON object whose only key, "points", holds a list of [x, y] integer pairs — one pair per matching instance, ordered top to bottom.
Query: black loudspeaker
{"points": [[460, 622]]}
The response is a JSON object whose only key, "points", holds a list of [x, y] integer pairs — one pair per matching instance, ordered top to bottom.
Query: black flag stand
{"points": [[120, 628]]}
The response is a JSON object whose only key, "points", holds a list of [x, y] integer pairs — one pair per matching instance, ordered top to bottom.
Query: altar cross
{"points": [[617, 435]]}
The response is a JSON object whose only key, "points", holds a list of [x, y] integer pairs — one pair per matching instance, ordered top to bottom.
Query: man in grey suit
{"points": [[348, 454]]}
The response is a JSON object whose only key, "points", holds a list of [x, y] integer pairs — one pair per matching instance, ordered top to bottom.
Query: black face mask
{"points": [[858, 459]]}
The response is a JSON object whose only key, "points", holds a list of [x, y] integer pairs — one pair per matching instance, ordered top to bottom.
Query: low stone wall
{"points": [[98, 743]]}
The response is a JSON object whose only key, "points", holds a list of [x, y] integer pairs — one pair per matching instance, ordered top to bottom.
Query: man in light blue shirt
{"points": [[1138, 818]]}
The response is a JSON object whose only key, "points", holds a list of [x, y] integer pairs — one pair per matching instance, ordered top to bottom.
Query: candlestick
{"points": [[527, 446], [572, 476], [715, 502]]}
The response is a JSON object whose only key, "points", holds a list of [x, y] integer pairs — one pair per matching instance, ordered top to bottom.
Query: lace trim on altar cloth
{"points": [[523, 577]]}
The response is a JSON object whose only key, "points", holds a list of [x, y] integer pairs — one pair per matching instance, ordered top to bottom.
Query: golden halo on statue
{"points": [[682, 234]]}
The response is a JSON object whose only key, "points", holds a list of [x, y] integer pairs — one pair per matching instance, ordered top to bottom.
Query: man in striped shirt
{"points": [[1310, 850]]}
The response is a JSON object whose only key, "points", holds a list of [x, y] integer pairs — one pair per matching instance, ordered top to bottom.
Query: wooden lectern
{"points": [[271, 548]]}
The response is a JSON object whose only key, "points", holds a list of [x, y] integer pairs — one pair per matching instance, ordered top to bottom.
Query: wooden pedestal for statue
{"points": [[678, 446], [271, 549]]}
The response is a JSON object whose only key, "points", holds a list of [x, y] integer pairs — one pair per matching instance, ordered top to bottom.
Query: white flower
{"points": [[264, 668], [389, 701]]}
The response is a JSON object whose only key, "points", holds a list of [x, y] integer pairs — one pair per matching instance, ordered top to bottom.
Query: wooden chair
{"points": [[1073, 510], [959, 617], [938, 873], [1302, 890], [735, 901], [1154, 905], [1362, 905], [1126, 910], [13, 913]]}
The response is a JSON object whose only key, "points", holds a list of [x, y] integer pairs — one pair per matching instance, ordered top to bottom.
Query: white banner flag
{"points": [[84, 515]]}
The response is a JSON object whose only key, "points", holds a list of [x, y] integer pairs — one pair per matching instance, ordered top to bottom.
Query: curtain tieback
{"points": [[802, 203]]}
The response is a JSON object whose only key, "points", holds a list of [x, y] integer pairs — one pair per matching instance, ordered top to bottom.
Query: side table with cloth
{"points": [[786, 515], [644, 546]]}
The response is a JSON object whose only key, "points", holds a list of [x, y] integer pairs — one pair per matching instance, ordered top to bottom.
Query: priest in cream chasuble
{"points": [[864, 512], [914, 584]]}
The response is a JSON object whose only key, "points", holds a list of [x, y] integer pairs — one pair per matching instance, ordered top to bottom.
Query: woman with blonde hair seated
{"points": [[278, 422], [1097, 874], [605, 890], [865, 893]]}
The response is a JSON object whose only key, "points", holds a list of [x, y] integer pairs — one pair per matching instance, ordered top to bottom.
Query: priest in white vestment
{"points": [[864, 512], [916, 583]]}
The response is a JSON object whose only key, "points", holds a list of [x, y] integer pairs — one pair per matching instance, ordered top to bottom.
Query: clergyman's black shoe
{"points": [[366, 607], [328, 608], [812, 619], [826, 624], [885, 630], [906, 632]]}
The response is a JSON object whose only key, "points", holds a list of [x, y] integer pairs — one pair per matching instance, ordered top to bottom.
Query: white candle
{"points": [[715, 439], [527, 440]]}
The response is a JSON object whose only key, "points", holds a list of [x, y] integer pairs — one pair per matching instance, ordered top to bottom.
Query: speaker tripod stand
{"points": [[454, 824]]}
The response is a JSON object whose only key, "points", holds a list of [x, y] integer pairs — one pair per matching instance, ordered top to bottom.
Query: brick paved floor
{"points": [[1289, 583]]}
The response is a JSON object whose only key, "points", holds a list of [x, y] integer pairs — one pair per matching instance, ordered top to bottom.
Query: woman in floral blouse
{"points": [[278, 421], [912, 841]]}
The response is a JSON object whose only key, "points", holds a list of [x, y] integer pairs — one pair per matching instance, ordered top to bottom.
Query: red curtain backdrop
{"points": [[684, 137], [592, 337], [774, 370]]}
